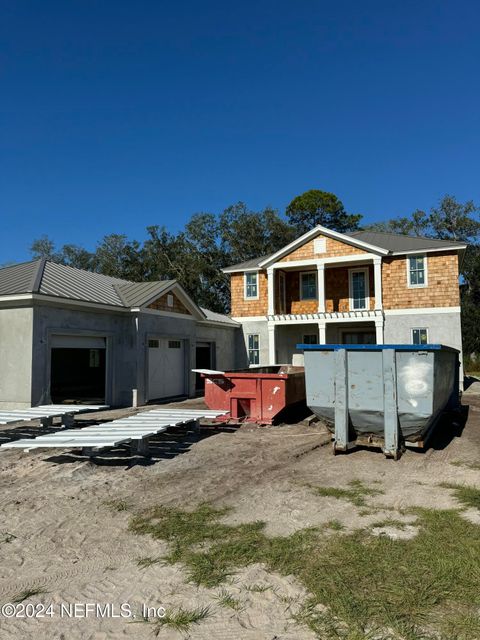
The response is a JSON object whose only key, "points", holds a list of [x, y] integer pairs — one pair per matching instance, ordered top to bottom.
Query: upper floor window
{"points": [[417, 271], [251, 285], [308, 285], [359, 289], [419, 336], [310, 338]]}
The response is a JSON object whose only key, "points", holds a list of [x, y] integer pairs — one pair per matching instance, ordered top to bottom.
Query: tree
{"points": [[315, 207]]}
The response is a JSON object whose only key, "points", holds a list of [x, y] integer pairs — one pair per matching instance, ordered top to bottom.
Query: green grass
{"points": [[470, 465], [356, 493], [468, 496], [334, 525], [371, 586], [25, 595], [227, 600], [181, 619]]}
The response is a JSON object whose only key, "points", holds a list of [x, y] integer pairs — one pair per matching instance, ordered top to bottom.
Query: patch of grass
{"points": [[356, 493], [468, 496], [118, 505], [388, 522], [6, 537], [144, 563], [361, 586], [259, 588], [25, 595], [227, 600], [181, 619]]}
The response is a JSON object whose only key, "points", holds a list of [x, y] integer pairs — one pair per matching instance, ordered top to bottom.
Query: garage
{"points": [[78, 368], [166, 368]]}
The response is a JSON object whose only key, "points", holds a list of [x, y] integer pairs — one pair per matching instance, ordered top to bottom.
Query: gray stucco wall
{"points": [[259, 327], [117, 328], [287, 337], [15, 358]]}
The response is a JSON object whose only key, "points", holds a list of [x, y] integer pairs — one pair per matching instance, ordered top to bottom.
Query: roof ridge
{"points": [[38, 275]]}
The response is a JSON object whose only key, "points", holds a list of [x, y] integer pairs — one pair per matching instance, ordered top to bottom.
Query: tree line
{"points": [[210, 242]]}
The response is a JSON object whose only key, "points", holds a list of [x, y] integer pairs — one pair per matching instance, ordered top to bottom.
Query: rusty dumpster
{"points": [[257, 394]]}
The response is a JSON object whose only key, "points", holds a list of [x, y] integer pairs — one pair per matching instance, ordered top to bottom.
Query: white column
{"points": [[377, 272], [321, 287], [271, 291], [379, 330], [322, 333], [271, 344]]}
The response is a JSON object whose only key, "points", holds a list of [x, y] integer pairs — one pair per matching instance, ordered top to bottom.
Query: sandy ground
{"points": [[58, 534]]}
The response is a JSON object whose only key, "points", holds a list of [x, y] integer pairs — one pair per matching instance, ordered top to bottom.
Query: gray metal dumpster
{"points": [[381, 395]]}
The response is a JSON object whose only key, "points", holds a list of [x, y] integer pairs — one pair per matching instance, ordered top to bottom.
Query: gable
{"points": [[332, 248], [169, 302]]}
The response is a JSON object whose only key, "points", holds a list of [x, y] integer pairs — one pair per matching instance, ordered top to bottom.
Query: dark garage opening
{"points": [[203, 360], [78, 375]]}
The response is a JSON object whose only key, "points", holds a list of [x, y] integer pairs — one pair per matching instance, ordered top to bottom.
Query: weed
{"points": [[356, 494], [468, 496], [118, 505], [335, 525], [144, 563], [361, 586], [259, 588], [25, 595], [225, 599], [181, 619]]}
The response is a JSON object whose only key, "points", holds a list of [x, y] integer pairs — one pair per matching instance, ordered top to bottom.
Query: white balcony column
{"points": [[377, 273], [321, 288], [271, 290], [379, 330], [322, 332], [271, 344]]}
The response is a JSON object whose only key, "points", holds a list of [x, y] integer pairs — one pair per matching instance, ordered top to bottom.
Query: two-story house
{"points": [[350, 288]]}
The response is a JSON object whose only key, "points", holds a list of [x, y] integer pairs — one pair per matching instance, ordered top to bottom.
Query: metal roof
{"points": [[248, 264], [18, 278], [68, 283], [218, 317]]}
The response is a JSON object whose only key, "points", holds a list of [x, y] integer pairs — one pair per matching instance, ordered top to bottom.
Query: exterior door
{"points": [[166, 368]]}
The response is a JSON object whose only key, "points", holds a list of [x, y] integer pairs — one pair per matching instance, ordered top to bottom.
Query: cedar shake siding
{"points": [[334, 248], [442, 288], [161, 304], [242, 307]]}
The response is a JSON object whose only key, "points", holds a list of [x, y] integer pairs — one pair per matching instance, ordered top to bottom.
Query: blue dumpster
{"points": [[383, 396]]}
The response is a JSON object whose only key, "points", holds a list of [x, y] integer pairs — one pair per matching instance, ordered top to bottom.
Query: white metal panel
{"points": [[166, 368]]}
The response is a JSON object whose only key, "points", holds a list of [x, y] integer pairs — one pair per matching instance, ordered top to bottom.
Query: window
{"points": [[417, 271], [251, 285], [308, 285], [359, 289], [170, 300], [419, 336], [310, 338], [153, 344], [174, 344], [253, 349], [94, 358]]}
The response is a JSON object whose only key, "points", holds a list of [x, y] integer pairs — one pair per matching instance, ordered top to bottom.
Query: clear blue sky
{"points": [[116, 115]]}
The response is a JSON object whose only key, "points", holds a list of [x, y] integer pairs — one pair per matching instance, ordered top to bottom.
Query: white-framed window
{"points": [[417, 271], [251, 285], [308, 285], [359, 289], [170, 300], [420, 336], [310, 338], [253, 343]]}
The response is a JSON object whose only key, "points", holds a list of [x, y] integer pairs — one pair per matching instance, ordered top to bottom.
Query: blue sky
{"points": [[115, 115]]}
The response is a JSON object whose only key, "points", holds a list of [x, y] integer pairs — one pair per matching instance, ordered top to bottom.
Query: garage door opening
{"points": [[203, 360], [78, 370]]}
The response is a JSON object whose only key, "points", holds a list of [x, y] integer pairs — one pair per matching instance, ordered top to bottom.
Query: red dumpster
{"points": [[257, 394]]}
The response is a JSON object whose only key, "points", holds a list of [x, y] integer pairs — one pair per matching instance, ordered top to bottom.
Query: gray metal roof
{"points": [[396, 242], [18, 278], [61, 281], [134, 294], [218, 317]]}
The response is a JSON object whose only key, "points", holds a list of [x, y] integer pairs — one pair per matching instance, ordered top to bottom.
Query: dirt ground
{"points": [[59, 535]]}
